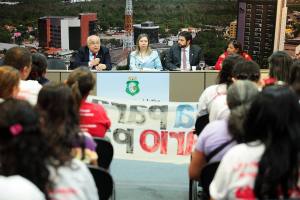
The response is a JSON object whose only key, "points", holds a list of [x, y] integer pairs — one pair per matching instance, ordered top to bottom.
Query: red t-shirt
{"points": [[93, 119]]}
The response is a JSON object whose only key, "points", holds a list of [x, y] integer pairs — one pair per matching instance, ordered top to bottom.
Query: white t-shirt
{"points": [[29, 91], [208, 96], [219, 109], [237, 171], [236, 174], [74, 182], [18, 188]]}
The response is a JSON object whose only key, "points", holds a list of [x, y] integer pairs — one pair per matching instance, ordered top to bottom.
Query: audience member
{"points": [[233, 47], [93, 55], [183, 55], [20, 58], [144, 58], [279, 68], [38, 69], [244, 70], [294, 80], [9, 82], [220, 89], [239, 96], [93, 117], [61, 124], [24, 150], [266, 166], [18, 188]]}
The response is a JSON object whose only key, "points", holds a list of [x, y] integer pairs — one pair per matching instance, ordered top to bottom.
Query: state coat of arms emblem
{"points": [[132, 86]]}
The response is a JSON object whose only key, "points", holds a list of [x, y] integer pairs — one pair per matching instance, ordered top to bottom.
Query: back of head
{"points": [[18, 57], [279, 64], [39, 66], [247, 70], [225, 75], [82, 79], [294, 80], [9, 81], [240, 95], [60, 120], [274, 120], [24, 150]]}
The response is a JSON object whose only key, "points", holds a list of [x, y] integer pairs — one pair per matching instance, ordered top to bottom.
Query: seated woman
{"points": [[233, 47], [144, 58], [38, 68], [279, 68], [224, 80], [9, 82], [240, 94], [93, 117], [61, 123], [60, 126], [24, 149], [266, 166]]}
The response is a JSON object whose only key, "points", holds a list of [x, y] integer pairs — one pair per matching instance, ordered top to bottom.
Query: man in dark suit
{"points": [[93, 55], [184, 55]]}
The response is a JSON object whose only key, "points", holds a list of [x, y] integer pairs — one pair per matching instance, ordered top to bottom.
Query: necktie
{"points": [[95, 55], [183, 59]]}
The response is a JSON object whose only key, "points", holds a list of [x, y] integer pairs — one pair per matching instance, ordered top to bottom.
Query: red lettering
{"points": [[156, 139], [180, 141], [190, 141], [164, 142]]}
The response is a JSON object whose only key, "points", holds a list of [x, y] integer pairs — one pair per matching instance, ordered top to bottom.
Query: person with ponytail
{"points": [[93, 117], [24, 151], [266, 166]]}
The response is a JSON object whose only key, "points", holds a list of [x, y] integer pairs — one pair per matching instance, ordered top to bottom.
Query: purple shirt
{"points": [[214, 135]]}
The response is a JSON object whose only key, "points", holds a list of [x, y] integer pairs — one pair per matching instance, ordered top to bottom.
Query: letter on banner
{"points": [[122, 111], [135, 115], [162, 115], [184, 119], [156, 139], [128, 140]]}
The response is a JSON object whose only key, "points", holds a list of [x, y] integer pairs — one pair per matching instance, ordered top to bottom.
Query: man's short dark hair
{"points": [[187, 35], [18, 57]]}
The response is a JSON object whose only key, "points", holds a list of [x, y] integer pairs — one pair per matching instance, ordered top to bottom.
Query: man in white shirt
{"points": [[183, 55], [20, 58]]}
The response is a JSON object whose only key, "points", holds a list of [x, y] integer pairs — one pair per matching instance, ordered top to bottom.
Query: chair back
{"points": [[201, 122], [105, 152], [207, 175], [104, 182]]}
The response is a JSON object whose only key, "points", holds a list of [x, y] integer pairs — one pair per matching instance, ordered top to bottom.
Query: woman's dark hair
{"points": [[237, 45], [280, 63], [38, 68], [247, 70], [225, 75], [81, 79], [294, 80], [240, 95], [60, 119], [273, 119], [23, 149]]}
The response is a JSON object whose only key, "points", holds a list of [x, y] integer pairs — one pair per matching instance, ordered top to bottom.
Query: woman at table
{"points": [[233, 47], [144, 58]]}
